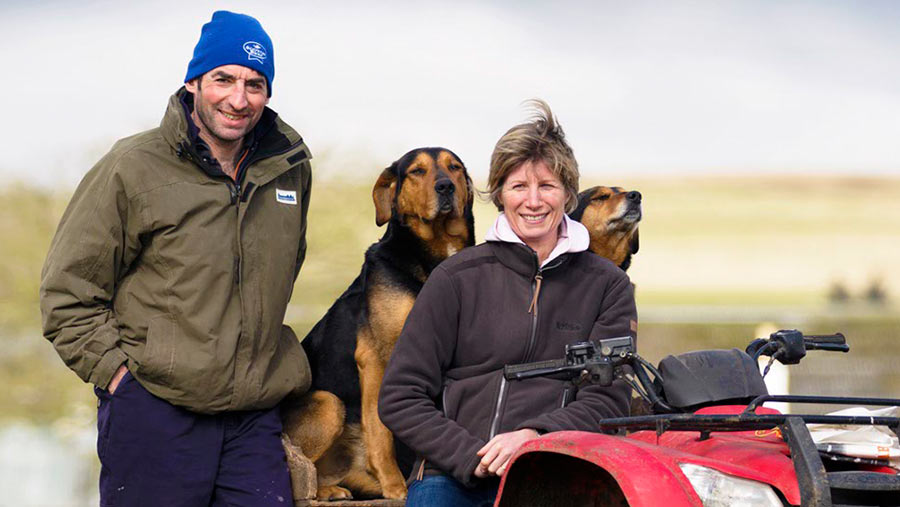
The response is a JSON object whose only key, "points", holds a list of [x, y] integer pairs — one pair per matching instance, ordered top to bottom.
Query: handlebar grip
{"points": [[837, 338], [831, 347], [511, 370]]}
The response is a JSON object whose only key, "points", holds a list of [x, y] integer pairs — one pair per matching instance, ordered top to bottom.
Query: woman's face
{"points": [[534, 200]]}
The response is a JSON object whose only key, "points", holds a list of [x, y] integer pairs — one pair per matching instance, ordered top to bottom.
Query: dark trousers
{"points": [[154, 453]]}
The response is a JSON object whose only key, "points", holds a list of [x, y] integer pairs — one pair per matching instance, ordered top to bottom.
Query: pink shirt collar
{"points": [[573, 237]]}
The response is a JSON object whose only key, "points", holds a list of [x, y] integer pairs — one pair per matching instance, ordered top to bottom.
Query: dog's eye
{"points": [[454, 167], [418, 171], [601, 197]]}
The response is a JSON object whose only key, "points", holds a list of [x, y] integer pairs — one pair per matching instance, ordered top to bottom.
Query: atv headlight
{"points": [[716, 489]]}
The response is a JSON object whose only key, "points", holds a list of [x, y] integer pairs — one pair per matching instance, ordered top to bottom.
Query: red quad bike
{"points": [[708, 441]]}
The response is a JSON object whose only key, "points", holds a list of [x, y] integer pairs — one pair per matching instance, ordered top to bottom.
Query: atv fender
{"points": [[580, 468]]}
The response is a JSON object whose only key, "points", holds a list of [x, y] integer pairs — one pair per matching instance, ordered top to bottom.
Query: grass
{"points": [[27, 220], [788, 237], [736, 241], [708, 246]]}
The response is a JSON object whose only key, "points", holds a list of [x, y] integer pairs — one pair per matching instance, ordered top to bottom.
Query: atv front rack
{"points": [[748, 420], [734, 422], [818, 487]]}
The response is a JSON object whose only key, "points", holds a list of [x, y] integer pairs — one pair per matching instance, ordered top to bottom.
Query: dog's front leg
{"points": [[377, 438]]}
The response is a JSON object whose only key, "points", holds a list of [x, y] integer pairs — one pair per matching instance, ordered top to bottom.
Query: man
{"points": [[167, 282]]}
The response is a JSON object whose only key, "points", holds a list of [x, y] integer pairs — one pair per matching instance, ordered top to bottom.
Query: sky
{"points": [[640, 87]]}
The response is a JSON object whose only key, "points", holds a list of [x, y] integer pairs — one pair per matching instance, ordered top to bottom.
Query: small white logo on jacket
{"points": [[255, 51], [286, 196]]}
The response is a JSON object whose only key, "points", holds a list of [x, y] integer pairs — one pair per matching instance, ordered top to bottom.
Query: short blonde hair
{"points": [[541, 138]]}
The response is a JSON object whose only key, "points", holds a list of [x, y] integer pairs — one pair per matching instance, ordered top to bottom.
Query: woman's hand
{"points": [[496, 453]]}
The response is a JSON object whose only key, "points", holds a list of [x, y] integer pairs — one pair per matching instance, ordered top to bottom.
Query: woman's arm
{"points": [[414, 378]]}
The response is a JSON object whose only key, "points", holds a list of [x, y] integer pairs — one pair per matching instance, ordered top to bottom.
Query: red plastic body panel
{"points": [[756, 455], [646, 465], [645, 475]]}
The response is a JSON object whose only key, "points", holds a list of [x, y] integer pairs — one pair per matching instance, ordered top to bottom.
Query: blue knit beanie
{"points": [[231, 38]]}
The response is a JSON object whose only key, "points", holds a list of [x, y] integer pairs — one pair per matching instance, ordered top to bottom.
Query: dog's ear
{"points": [[470, 187], [383, 194], [584, 198], [634, 243]]}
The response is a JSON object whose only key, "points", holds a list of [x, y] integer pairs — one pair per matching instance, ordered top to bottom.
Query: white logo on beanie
{"points": [[255, 51]]}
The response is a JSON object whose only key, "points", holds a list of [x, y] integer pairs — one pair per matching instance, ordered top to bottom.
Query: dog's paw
{"points": [[395, 492], [333, 493]]}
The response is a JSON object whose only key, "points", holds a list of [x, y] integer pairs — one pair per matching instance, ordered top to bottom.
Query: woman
{"points": [[521, 296]]}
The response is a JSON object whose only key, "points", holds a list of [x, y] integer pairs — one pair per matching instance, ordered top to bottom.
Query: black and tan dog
{"points": [[425, 197], [611, 216]]}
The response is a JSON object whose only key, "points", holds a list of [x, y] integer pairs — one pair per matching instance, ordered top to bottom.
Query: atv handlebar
{"points": [[836, 338], [830, 342], [789, 346], [585, 362], [602, 362], [524, 371]]}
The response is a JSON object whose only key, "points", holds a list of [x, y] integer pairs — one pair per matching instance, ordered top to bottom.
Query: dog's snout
{"points": [[444, 186], [634, 196]]}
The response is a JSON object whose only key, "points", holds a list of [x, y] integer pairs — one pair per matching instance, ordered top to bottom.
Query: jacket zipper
{"points": [[183, 150], [235, 189], [239, 194], [535, 285], [535, 289], [532, 338], [504, 385], [567, 392], [444, 400], [495, 419]]}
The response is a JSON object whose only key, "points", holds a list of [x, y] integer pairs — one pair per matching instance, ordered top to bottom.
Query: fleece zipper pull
{"points": [[537, 291]]}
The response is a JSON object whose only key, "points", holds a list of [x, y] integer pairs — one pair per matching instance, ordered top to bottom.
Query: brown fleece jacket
{"points": [[443, 393]]}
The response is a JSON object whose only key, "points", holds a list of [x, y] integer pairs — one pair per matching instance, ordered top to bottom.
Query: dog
{"points": [[425, 198], [611, 216]]}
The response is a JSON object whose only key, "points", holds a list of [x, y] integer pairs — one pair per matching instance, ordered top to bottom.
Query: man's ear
{"points": [[193, 85], [383, 194]]}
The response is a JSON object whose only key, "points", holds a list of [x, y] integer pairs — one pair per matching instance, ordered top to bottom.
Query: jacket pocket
{"points": [[158, 360], [296, 360], [528, 399], [472, 401], [497, 412], [103, 414]]}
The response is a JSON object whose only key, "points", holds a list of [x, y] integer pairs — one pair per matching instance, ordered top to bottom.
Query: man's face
{"points": [[228, 102]]}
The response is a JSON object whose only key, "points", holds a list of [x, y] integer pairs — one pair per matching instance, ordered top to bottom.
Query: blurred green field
{"points": [[783, 240], [763, 243], [718, 255]]}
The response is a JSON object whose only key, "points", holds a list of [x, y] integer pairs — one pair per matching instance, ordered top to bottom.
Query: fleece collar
{"points": [[573, 237]]}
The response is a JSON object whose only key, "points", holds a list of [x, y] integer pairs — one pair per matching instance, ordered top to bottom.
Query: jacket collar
{"points": [[270, 137], [573, 237]]}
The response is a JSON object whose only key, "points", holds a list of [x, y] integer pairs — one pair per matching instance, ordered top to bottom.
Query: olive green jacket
{"points": [[184, 276]]}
